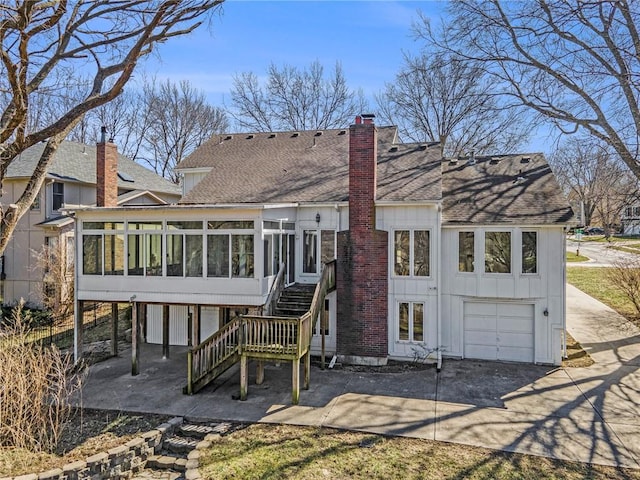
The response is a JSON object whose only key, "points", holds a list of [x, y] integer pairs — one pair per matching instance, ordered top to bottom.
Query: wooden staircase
{"points": [[295, 300], [286, 336]]}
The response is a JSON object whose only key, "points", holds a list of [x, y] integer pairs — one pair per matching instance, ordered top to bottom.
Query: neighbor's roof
{"points": [[76, 162], [307, 166], [509, 189]]}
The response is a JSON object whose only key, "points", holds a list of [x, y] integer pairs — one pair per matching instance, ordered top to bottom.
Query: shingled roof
{"points": [[76, 162], [308, 166], [507, 189]]}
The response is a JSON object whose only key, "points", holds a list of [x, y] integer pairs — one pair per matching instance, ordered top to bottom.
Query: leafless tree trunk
{"points": [[43, 44], [576, 63], [440, 98], [294, 99], [178, 119]]}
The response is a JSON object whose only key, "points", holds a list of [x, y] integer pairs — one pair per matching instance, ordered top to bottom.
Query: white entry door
{"points": [[499, 331]]}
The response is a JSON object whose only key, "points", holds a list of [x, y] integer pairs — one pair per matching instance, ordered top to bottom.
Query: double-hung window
{"points": [[411, 252], [411, 321]]}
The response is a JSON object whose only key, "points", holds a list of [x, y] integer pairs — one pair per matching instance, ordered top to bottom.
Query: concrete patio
{"points": [[583, 414]]}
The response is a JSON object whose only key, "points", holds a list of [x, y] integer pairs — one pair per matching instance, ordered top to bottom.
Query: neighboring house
{"points": [[72, 181], [630, 219], [434, 257]]}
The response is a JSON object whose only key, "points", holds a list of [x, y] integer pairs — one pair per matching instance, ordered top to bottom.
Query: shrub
{"points": [[625, 275], [37, 385]]}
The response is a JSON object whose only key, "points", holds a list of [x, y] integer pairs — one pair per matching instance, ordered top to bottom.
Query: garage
{"points": [[498, 331]]}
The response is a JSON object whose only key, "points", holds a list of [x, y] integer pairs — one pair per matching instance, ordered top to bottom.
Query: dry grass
{"points": [[573, 258], [576, 355], [88, 432], [289, 452]]}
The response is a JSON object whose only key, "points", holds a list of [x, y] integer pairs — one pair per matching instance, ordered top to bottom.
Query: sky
{"points": [[368, 38]]}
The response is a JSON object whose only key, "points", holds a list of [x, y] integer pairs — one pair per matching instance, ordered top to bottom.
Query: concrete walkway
{"points": [[583, 414]]}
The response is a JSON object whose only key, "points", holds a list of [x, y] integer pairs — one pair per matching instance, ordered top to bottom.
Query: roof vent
{"points": [[342, 132], [318, 133], [295, 134], [273, 135], [250, 136], [228, 137], [422, 147], [393, 149], [472, 158], [525, 159], [494, 160], [453, 161]]}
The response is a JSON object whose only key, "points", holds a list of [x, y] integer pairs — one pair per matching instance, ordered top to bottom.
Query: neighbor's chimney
{"points": [[106, 171]]}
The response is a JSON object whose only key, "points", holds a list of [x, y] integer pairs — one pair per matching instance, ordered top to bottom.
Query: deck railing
{"points": [[261, 337], [211, 357]]}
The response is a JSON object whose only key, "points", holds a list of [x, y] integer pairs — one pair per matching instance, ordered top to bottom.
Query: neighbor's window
{"points": [[58, 196], [36, 202], [627, 211], [310, 251], [465, 251], [497, 252], [529, 252], [411, 253], [411, 321]]}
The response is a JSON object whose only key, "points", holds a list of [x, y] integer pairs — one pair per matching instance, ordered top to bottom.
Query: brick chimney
{"points": [[106, 172], [362, 267]]}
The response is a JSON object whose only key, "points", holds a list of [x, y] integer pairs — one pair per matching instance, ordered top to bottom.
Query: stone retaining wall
{"points": [[117, 463]]}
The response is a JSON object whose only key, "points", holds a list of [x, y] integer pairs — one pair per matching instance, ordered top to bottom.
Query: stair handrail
{"points": [[327, 283], [274, 292], [196, 368]]}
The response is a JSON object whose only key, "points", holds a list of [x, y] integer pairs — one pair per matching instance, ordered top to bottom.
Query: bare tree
{"points": [[43, 44], [574, 62], [439, 98], [294, 99], [178, 119], [594, 179], [56, 288]]}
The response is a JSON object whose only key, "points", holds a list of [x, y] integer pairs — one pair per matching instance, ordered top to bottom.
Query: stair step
{"points": [[200, 431], [180, 445]]}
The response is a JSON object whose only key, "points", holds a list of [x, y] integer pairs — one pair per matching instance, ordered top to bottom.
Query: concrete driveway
{"points": [[583, 414]]}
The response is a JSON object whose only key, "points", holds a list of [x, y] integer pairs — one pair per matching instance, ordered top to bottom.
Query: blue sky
{"points": [[366, 37]]}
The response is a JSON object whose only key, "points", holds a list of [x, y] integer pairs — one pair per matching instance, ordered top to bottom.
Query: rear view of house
{"points": [[433, 257]]}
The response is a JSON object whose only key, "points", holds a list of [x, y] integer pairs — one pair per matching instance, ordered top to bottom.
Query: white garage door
{"points": [[498, 331]]}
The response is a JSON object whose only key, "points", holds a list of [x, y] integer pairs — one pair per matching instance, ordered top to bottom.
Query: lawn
{"points": [[572, 258], [596, 283], [290, 452]]}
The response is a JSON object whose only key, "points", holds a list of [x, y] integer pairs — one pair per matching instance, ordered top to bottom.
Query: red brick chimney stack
{"points": [[363, 155], [107, 172], [362, 266]]}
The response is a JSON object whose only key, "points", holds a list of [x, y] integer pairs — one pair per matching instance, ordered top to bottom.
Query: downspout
{"points": [[76, 269], [438, 290], [564, 294]]}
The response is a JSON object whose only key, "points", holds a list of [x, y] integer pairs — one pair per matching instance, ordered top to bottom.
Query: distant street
{"points": [[599, 253]]}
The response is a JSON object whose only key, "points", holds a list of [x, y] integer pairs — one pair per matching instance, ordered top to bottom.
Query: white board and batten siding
{"points": [[515, 316], [179, 323]]}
